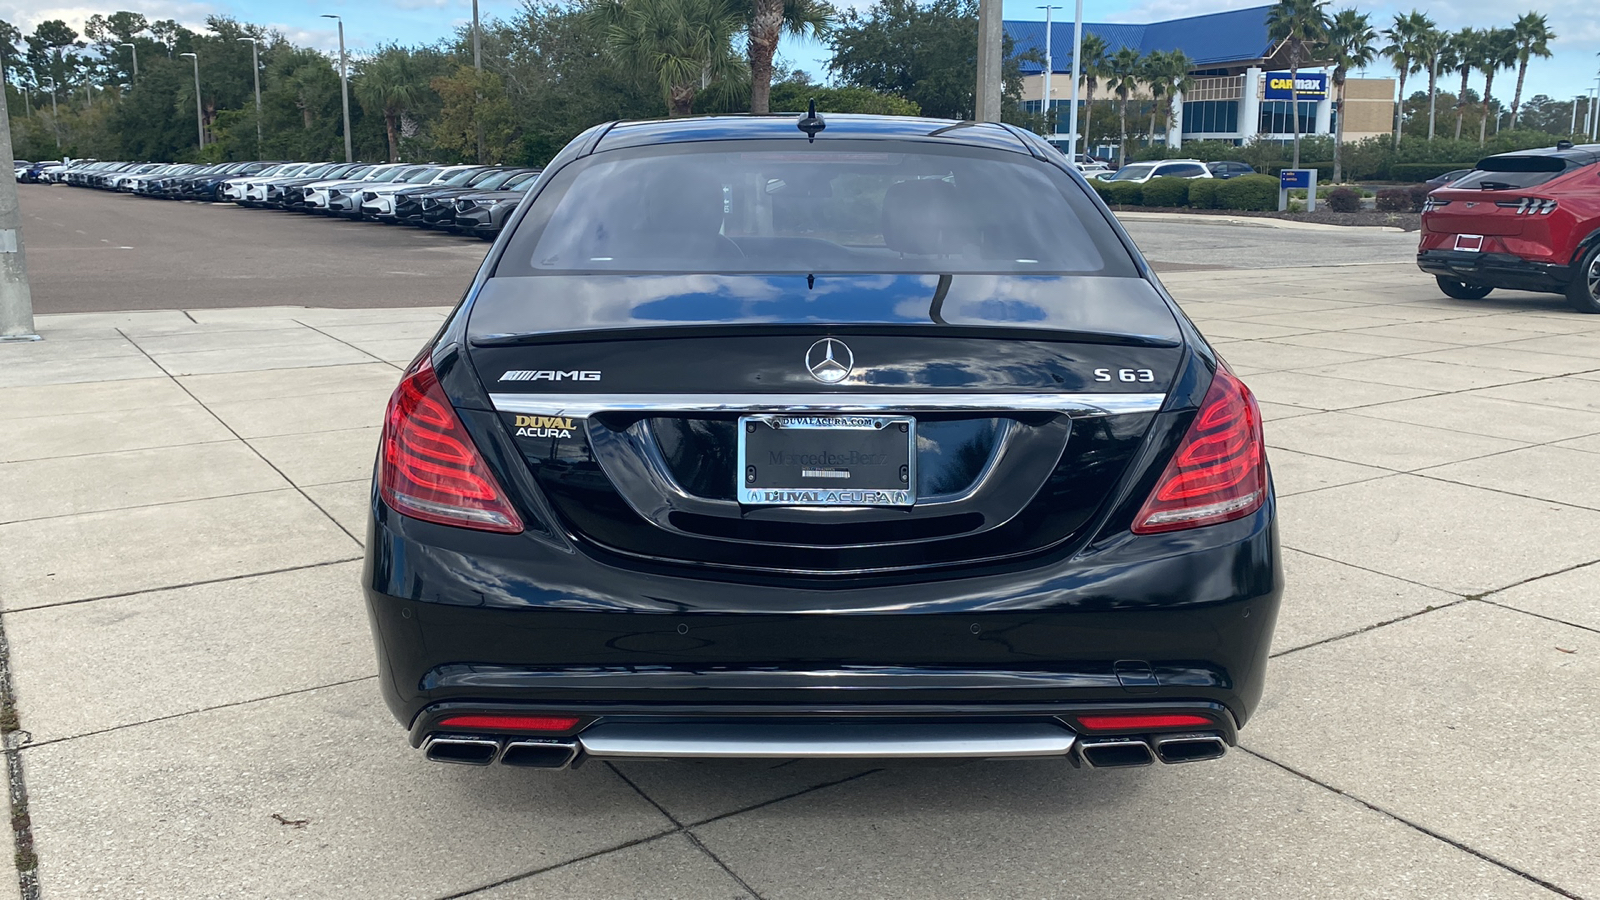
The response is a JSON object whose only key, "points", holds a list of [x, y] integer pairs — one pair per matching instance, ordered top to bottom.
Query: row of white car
{"points": [[467, 199]]}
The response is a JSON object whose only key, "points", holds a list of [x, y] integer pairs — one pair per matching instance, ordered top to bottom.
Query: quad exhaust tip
{"points": [[1099, 753]]}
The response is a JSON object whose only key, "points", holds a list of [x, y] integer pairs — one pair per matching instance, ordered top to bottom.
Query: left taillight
{"points": [[428, 467], [1219, 472]]}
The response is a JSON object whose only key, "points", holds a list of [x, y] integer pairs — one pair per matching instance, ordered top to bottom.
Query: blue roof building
{"points": [[1239, 74]]}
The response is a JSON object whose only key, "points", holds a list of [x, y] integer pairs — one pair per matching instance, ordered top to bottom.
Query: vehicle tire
{"points": [[1461, 290], [1584, 291]]}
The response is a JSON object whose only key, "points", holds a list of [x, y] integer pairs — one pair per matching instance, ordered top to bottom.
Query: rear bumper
{"points": [[1500, 270], [491, 623]]}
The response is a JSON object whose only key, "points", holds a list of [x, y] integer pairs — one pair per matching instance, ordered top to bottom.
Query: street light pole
{"points": [[991, 25], [135, 51], [1077, 54], [477, 67], [1049, 67], [255, 69], [344, 88], [199, 116], [55, 124], [16, 299]]}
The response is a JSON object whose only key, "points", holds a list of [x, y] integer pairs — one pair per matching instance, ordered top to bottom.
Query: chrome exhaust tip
{"points": [[1182, 748], [461, 750], [1116, 753], [539, 754]]}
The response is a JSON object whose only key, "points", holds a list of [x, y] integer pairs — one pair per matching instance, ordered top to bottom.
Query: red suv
{"points": [[1526, 221]]}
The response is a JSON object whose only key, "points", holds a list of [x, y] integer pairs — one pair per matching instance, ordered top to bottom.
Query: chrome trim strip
{"points": [[584, 405], [826, 741]]}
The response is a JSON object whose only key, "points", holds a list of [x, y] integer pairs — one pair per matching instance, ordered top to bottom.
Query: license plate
{"points": [[1469, 243], [838, 460]]}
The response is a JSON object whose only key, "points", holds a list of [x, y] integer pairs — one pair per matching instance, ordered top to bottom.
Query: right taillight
{"points": [[428, 467], [1219, 471]]}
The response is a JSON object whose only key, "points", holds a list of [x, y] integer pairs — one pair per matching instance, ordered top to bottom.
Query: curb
{"points": [[1250, 222]]}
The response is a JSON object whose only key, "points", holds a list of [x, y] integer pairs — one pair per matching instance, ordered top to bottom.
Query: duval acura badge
{"points": [[900, 452]]}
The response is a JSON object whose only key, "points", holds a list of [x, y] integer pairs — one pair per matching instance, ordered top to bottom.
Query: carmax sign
{"points": [[1310, 85]]}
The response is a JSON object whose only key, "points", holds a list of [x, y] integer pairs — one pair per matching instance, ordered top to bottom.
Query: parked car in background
{"points": [[1228, 168], [1140, 172], [1450, 177], [377, 202], [407, 202], [484, 214], [1527, 221]]}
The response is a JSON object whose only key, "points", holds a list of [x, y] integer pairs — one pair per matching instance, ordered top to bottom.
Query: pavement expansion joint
{"points": [[1373, 627], [1423, 829], [26, 861]]}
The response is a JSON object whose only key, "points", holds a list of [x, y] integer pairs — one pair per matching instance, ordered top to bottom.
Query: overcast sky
{"points": [[371, 22]]}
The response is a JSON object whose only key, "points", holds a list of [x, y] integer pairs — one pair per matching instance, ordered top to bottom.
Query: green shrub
{"points": [[1424, 171], [1166, 192], [1249, 192], [1123, 193], [1203, 193], [1419, 195], [1344, 200], [1394, 200]]}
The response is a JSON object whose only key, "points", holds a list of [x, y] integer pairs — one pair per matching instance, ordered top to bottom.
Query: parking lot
{"points": [[183, 476]]}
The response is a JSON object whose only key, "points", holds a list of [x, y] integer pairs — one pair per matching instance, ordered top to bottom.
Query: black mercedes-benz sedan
{"points": [[844, 436]]}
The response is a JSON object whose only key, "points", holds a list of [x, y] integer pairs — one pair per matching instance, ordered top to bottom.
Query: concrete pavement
{"points": [[181, 514]]}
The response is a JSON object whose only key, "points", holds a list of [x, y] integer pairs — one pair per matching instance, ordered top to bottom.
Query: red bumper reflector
{"points": [[1141, 722], [510, 723]]}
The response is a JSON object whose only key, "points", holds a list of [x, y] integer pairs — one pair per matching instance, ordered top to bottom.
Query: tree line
{"points": [[553, 69]]}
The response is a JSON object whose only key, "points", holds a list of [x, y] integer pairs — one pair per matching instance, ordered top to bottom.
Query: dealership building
{"points": [[1240, 74]]}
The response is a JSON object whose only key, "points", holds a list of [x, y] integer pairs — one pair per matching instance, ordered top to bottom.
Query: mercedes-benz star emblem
{"points": [[829, 361]]}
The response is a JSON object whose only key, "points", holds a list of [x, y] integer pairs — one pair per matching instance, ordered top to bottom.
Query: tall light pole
{"points": [[991, 40], [135, 51], [1077, 54], [477, 67], [1049, 67], [255, 69], [344, 88], [199, 117], [55, 124], [16, 299]]}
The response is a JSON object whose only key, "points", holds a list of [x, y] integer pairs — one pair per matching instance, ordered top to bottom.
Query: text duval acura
{"points": [[882, 440]]}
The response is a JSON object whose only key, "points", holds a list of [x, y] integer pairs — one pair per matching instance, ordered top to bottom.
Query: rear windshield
{"points": [[1132, 173], [1504, 173], [861, 207]]}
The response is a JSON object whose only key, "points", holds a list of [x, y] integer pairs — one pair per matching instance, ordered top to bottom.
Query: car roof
{"points": [[785, 127], [1582, 154]]}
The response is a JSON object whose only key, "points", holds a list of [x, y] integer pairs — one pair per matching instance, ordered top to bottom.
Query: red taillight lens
{"points": [[429, 468], [1219, 472], [1142, 722], [510, 723]]}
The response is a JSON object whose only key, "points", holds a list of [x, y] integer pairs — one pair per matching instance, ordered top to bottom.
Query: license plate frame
{"points": [[854, 474]]}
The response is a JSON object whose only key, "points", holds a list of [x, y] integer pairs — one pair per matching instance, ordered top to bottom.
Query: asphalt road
{"points": [[92, 251]]}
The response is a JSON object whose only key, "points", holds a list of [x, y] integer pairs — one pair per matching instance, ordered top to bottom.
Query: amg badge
{"points": [[550, 375]]}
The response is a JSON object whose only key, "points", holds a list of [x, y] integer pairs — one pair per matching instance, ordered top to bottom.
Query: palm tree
{"points": [[769, 19], [1300, 24], [1533, 36], [1431, 43], [1352, 44], [685, 45], [1402, 51], [1499, 51], [1461, 54], [1092, 67], [1153, 71], [1122, 77], [1178, 82], [391, 85]]}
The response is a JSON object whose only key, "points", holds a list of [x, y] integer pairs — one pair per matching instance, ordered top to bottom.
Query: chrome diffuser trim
{"points": [[584, 405], [826, 741]]}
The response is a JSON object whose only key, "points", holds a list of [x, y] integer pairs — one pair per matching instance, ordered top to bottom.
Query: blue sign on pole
{"points": [[1310, 85], [1294, 178]]}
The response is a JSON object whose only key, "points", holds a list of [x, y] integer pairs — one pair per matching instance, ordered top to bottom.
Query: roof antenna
{"points": [[811, 123]]}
